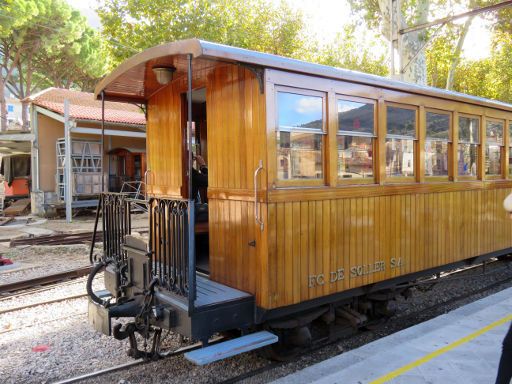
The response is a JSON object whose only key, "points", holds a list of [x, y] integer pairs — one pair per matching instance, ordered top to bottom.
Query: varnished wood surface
{"points": [[236, 137], [164, 143], [236, 143], [318, 230], [308, 238]]}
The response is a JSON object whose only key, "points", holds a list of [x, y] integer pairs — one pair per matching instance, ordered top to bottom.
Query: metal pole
{"points": [[392, 38], [102, 140], [68, 186], [191, 207]]}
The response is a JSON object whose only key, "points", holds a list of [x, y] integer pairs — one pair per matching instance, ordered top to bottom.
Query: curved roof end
{"points": [[127, 81]]}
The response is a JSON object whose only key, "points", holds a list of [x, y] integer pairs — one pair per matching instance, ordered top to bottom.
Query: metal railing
{"points": [[114, 209], [171, 239], [172, 261]]}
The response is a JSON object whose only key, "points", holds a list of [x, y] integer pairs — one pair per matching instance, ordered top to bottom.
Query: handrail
{"points": [[148, 171], [256, 204], [96, 220]]}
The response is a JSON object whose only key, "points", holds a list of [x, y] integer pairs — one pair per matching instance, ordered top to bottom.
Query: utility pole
{"points": [[396, 32]]}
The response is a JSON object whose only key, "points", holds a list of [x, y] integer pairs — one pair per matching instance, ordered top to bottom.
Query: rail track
{"points": [[64, 238], [10, 288], [32, 305], [405, 321], [322, 343], [101, 372]]}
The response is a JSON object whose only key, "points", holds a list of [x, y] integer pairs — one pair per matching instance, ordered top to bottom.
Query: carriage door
{"points": [[200, 174]]}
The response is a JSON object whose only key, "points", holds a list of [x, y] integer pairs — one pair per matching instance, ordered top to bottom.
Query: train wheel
{"points": [[291, 343]]}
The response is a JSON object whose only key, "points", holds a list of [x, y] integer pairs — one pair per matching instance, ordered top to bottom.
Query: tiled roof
{"points": [[83, 106]]}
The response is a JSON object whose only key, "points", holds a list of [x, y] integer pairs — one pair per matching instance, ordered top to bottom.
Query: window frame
{"points": [[374, 136], [449, 141], [508, 144], [502, 148], [478, 175], [403, 179], [279, 183]]}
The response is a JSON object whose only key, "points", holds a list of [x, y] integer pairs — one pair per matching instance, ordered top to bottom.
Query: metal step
{"points": [[231, 347]]}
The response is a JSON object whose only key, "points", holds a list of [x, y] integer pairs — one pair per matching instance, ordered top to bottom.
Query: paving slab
{"points": [[460, 347]]}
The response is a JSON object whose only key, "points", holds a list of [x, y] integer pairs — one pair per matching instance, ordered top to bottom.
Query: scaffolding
{"points": [[86, 165]]}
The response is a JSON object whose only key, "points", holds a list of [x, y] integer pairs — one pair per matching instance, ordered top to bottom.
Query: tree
{"points": [[377, 14], [131, 26], [40, 37], [351, 52], [77, 63]]}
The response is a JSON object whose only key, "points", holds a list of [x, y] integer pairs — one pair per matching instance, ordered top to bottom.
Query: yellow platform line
{"points": [[439, 352]]}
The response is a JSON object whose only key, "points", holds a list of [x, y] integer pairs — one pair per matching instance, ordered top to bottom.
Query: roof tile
{"points": [[82, 105]]}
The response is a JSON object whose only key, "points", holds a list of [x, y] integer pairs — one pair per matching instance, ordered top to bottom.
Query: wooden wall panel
{"points": [[236, 131], [236, 142], [164, 143], [312, 238]]}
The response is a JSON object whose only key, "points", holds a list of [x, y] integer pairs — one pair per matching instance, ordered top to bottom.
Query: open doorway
{"points": [[200, 173]]}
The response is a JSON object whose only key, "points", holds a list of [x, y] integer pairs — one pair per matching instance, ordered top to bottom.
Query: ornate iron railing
{"points": [[114, 209], [172, 260]]}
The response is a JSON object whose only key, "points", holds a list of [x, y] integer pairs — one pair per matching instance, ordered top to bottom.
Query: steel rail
{"points": [[64, 238], [30, 283], [36, 290], [53, 301], [407, 319], [101, 372]]}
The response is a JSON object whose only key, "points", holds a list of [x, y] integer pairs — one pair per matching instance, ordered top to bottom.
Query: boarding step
{"points": [[231, 347]]}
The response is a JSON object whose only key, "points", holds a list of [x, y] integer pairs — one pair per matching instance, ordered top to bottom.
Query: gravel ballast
{"points": [[53, 342]]}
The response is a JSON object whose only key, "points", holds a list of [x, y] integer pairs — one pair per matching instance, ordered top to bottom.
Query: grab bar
{"points": [[256, 204]]}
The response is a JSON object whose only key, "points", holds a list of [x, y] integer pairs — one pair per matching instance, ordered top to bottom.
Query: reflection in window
{"points": [[299, 111], [401, 122], [401, 133], [299, 136], [469, 138], [355, 139], [436, 144], [493, 145], [510, 150], [299, 155], [355, 157], [399, 157], [436, 158], [468, 159]]}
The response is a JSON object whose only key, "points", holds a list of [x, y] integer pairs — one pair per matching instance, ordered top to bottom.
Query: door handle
{"points": [[256, 204]]}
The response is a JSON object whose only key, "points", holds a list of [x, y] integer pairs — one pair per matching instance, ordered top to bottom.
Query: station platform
{"points": [[460, 347]]}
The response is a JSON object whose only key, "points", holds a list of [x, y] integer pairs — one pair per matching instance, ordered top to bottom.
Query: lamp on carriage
{"points": [[163, 74]]}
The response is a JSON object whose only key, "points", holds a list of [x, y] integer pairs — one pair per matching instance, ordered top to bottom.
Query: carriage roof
{"points": [[130, 80]]}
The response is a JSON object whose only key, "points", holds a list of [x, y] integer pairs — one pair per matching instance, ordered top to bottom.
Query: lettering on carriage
{"points": [[396, 262], [367, 269], [319, 280]]}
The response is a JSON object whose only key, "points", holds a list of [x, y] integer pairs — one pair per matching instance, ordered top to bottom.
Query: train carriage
{"points": [[326, 190]]}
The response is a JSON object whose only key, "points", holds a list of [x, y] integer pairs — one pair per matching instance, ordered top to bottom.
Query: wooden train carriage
{"points": [[321, 181]]}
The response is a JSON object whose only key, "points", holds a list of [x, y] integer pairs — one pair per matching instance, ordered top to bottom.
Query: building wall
{"points": [[49, 131]]}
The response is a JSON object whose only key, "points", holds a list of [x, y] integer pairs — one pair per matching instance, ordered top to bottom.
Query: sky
{"points": [[326, 18]]}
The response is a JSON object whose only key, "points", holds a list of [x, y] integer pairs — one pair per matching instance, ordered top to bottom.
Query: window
{"points": [[10, 108], [300, 120], [401, 133], [469, 138], [355, 141], [436, 143], [493, 147], [510, 149]]}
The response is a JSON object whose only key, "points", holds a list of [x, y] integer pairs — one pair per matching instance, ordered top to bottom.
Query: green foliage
{"points": [[134, 25], [43, 38], [352, 52], [489, 77]]}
